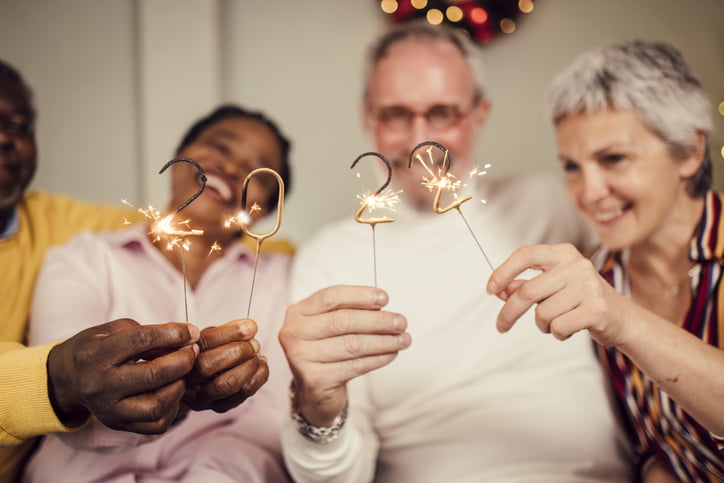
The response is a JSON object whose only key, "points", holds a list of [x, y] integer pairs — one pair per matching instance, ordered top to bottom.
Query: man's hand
{"points": [[335, 335], [229, 368], [129, 376]]}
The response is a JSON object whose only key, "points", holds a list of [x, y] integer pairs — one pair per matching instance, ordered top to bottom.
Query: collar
{"points": [[12, 227], [708, 240]]}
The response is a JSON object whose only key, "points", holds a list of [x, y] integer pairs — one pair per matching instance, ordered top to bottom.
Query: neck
{"points": [[665, 255]]}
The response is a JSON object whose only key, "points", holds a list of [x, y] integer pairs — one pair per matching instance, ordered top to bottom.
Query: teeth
{"points": [[217, 183], [608, 214]]}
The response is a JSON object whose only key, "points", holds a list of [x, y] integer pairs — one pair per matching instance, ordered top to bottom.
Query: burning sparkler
{"points": [[442, 180], [373, 201], [244, 221], [177, 234]]}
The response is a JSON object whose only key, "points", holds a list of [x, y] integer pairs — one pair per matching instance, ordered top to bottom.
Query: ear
{"points": [[480, 114], [367, 122], [691, 164]]}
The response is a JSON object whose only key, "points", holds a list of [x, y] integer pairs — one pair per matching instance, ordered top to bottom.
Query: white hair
{"points": [[650, 79]]}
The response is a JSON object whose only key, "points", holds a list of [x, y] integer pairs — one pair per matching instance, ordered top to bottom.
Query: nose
{"points": [[419, 131], [594, 186]]}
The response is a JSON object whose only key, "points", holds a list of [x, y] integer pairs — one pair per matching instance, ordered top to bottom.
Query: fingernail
{"points": [[492, 288], [380, 297], [398, 322], [247, 327], [194, 332], [255, 345], [196, 349]]}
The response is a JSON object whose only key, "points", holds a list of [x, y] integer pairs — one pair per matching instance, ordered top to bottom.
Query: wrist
{"points": [[69, 412], [317, 434]]}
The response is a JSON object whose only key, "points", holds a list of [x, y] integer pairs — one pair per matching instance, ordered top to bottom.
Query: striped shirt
{"points": [[657, 425]]}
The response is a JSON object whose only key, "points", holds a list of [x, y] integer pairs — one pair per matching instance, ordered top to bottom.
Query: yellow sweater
{"points": [[25, 409]]}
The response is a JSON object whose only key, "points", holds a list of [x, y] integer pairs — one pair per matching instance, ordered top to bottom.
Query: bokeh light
{"points": [[389, 6], [454, 13], [435, 16], [507, 26]]}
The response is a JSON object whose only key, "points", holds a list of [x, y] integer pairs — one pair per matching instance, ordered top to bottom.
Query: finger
{"points": [[539, 257], [530, 292], [341, 297], [554, 307], [349, 321], [233, 331], [130, 343], [356, 347], [229, 355], [349, 369], [145, 376], [244, 379], [248, 389], [148, 413]]}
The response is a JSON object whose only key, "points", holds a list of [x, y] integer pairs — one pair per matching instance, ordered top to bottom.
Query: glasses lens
{"points": [[442, 116], [394, 117]]}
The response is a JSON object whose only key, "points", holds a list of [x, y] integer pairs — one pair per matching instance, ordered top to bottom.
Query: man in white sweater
{"points": [[427, 390]]}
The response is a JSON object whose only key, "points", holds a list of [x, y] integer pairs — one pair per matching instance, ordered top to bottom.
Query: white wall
{"points": [[118, 81]]}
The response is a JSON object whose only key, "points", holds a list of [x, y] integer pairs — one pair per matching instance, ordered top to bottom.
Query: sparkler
{"points": [[444, 181], [376, 200], [244, 221], [177, 234]]}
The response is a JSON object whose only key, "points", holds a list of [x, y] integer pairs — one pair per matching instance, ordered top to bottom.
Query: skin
{"points": [[418, 74], [17, 152], [624, 180], [340, 332], [229, 368], [94, 372]]}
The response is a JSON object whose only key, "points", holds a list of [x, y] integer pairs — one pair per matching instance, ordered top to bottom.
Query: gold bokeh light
{"points": [[389, 6], [454, 13], [434, 16]]}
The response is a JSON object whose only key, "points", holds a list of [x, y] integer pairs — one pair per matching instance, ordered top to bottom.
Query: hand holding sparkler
{"points": [[443, 181], [374, 201], [245, 223], [229, 368]]}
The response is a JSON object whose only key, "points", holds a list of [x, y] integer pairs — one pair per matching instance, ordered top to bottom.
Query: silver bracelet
{"points": [[317, 434]]}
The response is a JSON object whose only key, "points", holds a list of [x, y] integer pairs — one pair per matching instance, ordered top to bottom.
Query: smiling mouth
{"points": [[220, 186], [605, 216]]}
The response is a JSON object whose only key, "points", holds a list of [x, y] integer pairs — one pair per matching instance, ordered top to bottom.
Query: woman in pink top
{"points": [[222, 433]]}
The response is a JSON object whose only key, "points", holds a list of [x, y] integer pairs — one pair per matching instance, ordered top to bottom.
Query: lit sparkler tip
{"points": [[126, 221], [215, 248]]}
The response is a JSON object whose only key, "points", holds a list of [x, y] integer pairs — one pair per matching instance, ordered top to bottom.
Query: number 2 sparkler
{"points": [[443, 181], [376, 200], [178, 235]]}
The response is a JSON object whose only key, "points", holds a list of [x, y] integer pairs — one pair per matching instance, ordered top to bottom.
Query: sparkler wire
{"points": [[202, 177], [441, 185], [365, 204], [260, 237]]}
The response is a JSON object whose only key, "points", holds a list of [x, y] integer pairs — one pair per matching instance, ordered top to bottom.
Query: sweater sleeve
{"points": [[25, 409]]}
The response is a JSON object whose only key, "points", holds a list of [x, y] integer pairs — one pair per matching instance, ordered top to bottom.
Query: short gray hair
{"points": [[421, 29], [652, 80]]}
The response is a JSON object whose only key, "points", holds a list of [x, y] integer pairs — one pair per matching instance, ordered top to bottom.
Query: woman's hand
{"points": [[569, 294]]}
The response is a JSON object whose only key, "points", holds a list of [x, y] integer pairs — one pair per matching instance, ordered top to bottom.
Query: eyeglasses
{"points": [[438, 117], [15, 128]]}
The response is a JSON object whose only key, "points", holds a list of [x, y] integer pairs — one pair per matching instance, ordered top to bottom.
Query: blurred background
{"points": [[117, 82]]}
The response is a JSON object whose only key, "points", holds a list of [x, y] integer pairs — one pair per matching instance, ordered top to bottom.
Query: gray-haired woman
{"points": [[632, 123]]}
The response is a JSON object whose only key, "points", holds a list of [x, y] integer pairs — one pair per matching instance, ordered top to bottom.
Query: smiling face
{"points": [[422, 77], [17, 147], [228, 151], [621, 176]]}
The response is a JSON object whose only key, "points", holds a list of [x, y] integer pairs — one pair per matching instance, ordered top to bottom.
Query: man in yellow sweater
{"points": [[56, 387]]}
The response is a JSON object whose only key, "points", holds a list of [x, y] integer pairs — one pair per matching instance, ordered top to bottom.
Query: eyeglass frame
{"points": [[410, 115]]}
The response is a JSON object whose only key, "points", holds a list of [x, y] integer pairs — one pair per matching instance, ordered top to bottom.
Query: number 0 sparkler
{"points": [[443, 181], [377, 200], [245, 224]]}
